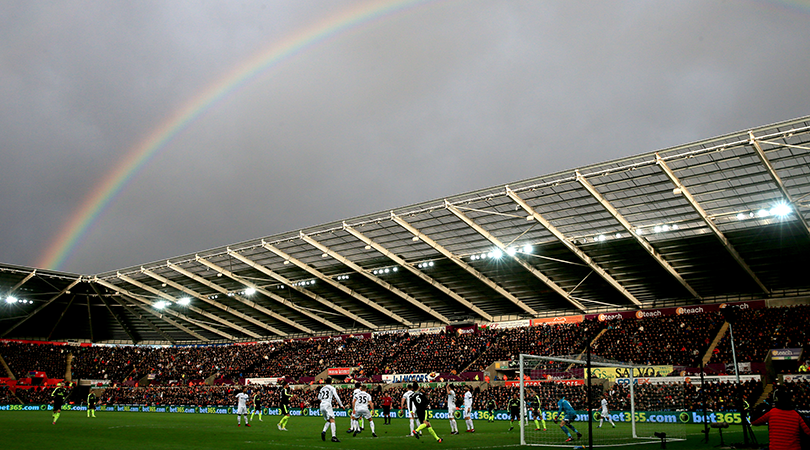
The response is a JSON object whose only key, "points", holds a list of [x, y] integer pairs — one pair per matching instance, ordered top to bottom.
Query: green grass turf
{"points": [[146, 431]]}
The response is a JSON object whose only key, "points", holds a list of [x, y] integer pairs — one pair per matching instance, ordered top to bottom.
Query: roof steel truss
{"points": [[345, 289], [239, 298]]}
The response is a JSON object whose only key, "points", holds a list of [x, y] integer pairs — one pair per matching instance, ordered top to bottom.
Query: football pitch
{"points": [[125, 431]]}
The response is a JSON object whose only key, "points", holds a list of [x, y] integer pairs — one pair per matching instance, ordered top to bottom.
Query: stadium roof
{"points": [[722, 219]]}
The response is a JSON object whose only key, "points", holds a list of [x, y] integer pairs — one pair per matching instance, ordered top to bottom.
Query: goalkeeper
{"points": [[566, 415]]}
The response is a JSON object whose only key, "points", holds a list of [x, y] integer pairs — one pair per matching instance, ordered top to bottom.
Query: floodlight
{"points": [[781, 210], [763, 213], [740, 216], [665, 227], [657, 228], [639, 231], [618, 235], [601, 238], [527, 248], [511, 251], [497, 253], [430, 264], [394, 269], [386, 270], [250, 291], [11, 299], [184, 301], [160, 304]]}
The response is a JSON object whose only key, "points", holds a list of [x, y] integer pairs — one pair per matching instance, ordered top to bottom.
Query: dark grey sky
{"points": [[439, 99]]}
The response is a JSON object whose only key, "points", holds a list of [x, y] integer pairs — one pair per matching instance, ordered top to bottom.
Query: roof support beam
{"points": [[776, 179], [703, 215], [641, 240], [497, 242], [570, 246], [458, 261], [423, 276], [374, 278], [22, 282], [345, 289], [301, 290], [273, 296], [238, 298], [205, 299], [48, 302], [149, 307], [199, 311], [61, 316], [115, 316], [144, 319], [90, 320]]}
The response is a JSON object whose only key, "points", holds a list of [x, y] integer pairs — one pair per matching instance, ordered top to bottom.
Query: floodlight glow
{"points": [[781, 210], [763, 213], [740, 216], [674, 226], [665, 227], [657, 228], [639, 231], [618, 235], [601, 238], [527, 248], [511, 251], [497, 253], [484, 255], [430, 264], [394, 269], [386, 270], [250, 291], [11, 299], [184, 301], [160, 304]]}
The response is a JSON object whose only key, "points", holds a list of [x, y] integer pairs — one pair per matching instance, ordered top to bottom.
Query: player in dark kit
{"points": [[59, 394], [285, 399], [420, 402], [91, 405], [257, 405], [491, 405], [537, 409], [514, 410]]}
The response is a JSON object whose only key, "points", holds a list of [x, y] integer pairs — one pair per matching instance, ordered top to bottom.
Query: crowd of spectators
{"points": [[760, 330], [665, 340], [24, 357], [177, 373]]}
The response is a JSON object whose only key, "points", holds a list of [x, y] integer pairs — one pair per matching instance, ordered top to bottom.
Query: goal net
{"points": [[562, 404]]}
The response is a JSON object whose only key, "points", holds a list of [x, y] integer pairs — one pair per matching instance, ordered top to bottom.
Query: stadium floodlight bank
{"points": [[638, 413]]}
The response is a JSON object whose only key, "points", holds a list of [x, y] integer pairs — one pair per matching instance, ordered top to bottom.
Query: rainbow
{"points": [[137, 157]]}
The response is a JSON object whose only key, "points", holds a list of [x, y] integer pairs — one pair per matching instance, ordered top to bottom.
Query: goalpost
{"points": [[642, 413]]}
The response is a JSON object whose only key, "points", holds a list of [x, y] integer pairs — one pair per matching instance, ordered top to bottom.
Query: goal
{"points": [[639, 410]]}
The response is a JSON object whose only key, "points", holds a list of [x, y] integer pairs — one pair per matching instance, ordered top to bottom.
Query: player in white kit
{"points": [[326, 395], [468, 401], [241, 408], [408, 408], [361, 409], [451, 409], [605, 413], [355, 424]]}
